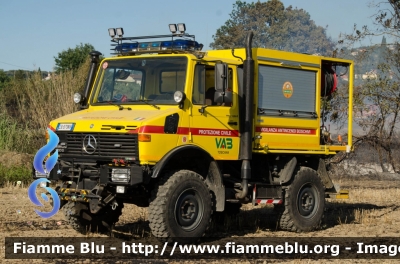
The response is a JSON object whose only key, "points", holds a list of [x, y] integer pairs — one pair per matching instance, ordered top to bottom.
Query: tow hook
{"points": [[114, 205]]}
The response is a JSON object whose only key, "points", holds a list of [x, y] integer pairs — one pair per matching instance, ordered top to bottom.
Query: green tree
{"points": [[274, 26], [72, 59], [20, 75]]}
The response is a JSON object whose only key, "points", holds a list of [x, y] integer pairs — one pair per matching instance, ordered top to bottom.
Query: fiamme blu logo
{"points": [[49, 164]]}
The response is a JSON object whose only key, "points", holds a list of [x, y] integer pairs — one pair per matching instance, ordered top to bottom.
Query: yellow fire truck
{"points": [[188, 133]]}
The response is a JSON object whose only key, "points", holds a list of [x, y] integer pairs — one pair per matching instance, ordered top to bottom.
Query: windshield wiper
{"points": [[146, 101], [119, 106]]}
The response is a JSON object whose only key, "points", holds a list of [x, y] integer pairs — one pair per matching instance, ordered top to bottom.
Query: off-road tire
{"points": [[304, 202], [180, 207], [82, 220]]}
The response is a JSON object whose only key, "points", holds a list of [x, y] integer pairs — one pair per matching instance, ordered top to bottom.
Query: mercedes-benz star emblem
{"points": [[89, 144]]}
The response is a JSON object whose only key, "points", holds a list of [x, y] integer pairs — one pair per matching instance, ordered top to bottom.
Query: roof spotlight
{"points": [[181, 27], [172, 28], [111, 32], [120, 32]]}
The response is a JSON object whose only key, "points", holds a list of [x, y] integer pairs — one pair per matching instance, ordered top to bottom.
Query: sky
{"points": [[34, 32]]}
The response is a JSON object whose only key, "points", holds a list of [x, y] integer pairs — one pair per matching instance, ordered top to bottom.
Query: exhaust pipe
{"points": [[95, 59], [246, 142]]}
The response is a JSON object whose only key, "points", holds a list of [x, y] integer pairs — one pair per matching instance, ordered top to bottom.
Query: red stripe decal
{"points": [[152, 129], [186, 130], [282, 130], [183, 131], [214, 132]]}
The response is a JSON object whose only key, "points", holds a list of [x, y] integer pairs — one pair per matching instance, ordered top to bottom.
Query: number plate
{"points": [[65, 127]]}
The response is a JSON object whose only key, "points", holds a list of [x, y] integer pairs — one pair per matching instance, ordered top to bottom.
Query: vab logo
{"points": [[223, 143], [38, 165]]}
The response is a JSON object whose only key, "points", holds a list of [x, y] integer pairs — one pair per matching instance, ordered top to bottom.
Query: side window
{"points": [[230, 79], [204, 86], [210, 87], [198, 92]]}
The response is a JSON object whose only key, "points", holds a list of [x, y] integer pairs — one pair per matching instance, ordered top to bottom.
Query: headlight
{"points": [[179, 96], [77, 98], [120, 175]]}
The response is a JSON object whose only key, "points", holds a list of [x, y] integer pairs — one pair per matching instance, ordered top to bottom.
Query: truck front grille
{"points": [[105, 145]]}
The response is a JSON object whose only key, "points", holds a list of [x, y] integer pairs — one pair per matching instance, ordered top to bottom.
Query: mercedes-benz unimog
{"points": [[187, 133]]}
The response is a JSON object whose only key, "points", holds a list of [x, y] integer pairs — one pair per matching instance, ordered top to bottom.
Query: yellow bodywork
{"points": [[216, 130]]}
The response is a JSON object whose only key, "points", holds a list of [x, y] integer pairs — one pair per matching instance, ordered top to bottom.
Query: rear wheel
{"points": [[304, 202], [180, 207], [82, 220]]}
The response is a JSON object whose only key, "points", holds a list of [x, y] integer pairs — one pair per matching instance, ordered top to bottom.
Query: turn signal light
{"points": [[144, 137]]}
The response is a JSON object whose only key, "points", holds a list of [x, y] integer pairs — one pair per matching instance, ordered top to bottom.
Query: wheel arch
{"points": [[192, 157], [316, 164]]}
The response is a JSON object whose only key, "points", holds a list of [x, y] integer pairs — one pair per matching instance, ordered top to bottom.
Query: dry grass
{"points": [[46, 100], [27, 106], [384, 195], [367, 208], [368, 212]]}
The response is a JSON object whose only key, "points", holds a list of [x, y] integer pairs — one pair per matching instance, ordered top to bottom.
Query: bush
{"points": [[35, 102], [28, 105], [14, 137], [14, 174]]}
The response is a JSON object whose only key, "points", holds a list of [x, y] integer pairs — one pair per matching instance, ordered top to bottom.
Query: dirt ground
{"points": [[371, 211]]}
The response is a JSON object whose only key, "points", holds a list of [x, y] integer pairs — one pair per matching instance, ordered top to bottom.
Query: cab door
{"points": [[215, 126]]}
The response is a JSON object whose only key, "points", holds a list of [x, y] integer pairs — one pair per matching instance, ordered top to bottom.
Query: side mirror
{"points": [[221, 77], [221, 84], [225, 97]]}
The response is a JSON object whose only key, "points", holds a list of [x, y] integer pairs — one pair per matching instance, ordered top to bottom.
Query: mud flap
{"points": [[323, 174], [214, 183]]}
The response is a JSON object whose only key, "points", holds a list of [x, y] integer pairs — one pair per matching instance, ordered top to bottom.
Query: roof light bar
{"points": [[179, 42], [127, 47]]}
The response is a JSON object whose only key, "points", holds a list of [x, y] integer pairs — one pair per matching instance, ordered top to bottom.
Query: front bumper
{"points": [[90, 176]]}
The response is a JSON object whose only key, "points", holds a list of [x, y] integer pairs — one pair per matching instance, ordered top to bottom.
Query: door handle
{"points": [[233, 123]]}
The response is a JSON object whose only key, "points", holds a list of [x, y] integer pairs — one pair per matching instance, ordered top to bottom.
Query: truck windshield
{"points": [[139, 80]]}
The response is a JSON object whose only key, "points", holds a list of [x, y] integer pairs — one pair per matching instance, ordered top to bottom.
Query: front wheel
{"points": [[304, 202], [180, 207], [80, 218]]}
